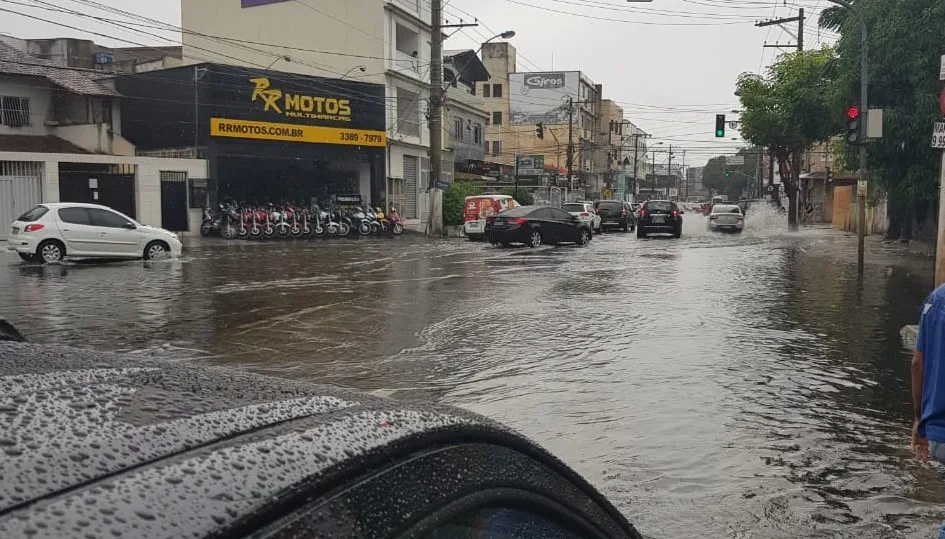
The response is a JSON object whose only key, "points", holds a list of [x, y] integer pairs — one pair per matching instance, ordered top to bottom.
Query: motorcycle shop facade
{"points": [[268, 136]]}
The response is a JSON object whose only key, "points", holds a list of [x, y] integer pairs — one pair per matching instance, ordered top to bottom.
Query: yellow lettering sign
{"points": [[300, 105], [225, 127]]}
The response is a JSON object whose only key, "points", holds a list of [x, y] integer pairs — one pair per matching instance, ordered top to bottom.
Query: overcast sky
{"points": [[671, 64]]}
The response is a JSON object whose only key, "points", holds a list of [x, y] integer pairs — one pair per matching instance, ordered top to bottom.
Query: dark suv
{"points": [[615, 214], [660, 217]]}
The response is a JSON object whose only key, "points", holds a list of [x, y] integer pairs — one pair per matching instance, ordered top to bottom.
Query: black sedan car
{"points": [[615, 214], [660, 217], [535, 225], [105, 445]]}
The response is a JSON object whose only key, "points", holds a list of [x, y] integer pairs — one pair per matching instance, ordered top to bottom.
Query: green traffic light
{"points": [[720, 132]]}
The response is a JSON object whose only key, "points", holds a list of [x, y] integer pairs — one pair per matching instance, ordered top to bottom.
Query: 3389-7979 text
{"points": [[354, 136]]}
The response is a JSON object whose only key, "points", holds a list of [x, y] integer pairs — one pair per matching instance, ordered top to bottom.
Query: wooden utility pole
{"points": [[800, 30], [570, 157], [435, 217], [940, 242]]}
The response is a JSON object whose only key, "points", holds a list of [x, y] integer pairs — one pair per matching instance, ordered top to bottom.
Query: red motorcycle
{"points": [[396, 223]]}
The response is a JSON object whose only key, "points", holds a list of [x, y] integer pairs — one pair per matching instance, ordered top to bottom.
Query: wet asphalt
{"points": [[715, 385]]}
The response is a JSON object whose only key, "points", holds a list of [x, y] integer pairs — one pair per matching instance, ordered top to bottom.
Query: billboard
{"points": [[541, 97]]}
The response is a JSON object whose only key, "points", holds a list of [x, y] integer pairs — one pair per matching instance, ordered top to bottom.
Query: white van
{"points": [[477, 208]]}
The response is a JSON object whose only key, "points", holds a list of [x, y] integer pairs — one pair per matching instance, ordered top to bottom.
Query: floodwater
{"points": [[716, 385]]}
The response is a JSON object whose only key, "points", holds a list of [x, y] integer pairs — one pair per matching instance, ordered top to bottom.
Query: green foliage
{"points": [[906, 40], [731, 180], [524, 196], [453, 198]]}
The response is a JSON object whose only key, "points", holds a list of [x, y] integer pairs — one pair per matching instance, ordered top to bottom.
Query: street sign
{"points": [[874, 123], [938, 135], [735, 160], [440, 184], [861, 186], [607, 194]]}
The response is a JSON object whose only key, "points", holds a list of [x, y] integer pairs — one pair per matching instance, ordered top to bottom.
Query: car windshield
{"points": [[610, 205], [659, 205], [574, 208], [725, 209], [519, 211], [33, 214]]}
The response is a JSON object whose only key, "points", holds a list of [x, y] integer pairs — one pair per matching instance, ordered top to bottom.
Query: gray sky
{"points": [[671, 64]]}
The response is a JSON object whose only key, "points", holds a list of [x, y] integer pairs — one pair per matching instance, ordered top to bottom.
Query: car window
{"points": [[608, 205], [659, 205], [577, 208], [725, 209], [518, 211], [541, 213], [33, 214], [559, 214], [76, 216], [106, 218], [501, 523]]}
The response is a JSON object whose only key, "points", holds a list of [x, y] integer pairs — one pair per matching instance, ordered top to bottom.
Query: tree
{"points": [[905, 45], [788, 111], [731, 180], [523, 197], [453, 199]]}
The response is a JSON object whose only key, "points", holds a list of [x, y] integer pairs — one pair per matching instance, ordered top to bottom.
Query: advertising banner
{"points": [[541, 97]]}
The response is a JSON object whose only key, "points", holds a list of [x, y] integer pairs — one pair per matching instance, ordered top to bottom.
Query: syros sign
{"points": [[545, 80]]}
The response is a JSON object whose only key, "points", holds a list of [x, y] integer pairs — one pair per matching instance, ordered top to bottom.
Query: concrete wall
{"points": [[356, 29], [500, 60], [39, 92], [95, 138], [147, 178], [844, 214]]}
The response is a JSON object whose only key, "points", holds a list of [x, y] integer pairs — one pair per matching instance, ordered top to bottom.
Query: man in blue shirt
{"points": [[928, 382]]}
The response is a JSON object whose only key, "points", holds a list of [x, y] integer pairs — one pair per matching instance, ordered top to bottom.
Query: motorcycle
{"points": [[255, 218], [268, 219], [382, 219], [360, 221], [211, 222], [344, 223], [231, 224], [397, 225], [300, 227]]}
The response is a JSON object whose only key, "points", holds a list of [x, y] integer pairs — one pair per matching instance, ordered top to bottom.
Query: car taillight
{"points": [[642, 212], [675, 213], [585, 214], [739, 218], [517, 221], [32, 228]]}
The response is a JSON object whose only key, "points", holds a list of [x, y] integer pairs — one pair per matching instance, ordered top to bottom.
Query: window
{"points": [[485, 90], [496, 90], [15, 111], [408, 112], [497, 118], [458, 128], [477, 133], [487, 147], [496, 147], [660, 205], [575, 207], [34, 214], [560, 215], [75, 216], [105, 218], [501, 523]]}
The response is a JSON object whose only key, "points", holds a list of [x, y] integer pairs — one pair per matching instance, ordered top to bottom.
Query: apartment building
{"points": [[373, 41], [499, 60]]}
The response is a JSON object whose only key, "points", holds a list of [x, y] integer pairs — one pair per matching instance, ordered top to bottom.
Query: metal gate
{"points": [[411, 175], [21, 188], [117, 191], [174, 201]]}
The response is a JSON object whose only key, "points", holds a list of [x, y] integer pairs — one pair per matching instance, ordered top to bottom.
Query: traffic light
{"points": [[853, 124], [719, 125], [540, 130], [728, 173]]}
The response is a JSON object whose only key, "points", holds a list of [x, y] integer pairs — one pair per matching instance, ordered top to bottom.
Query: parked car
{"points": [[476, 209], [585, 212], [615, 214], [660, 217], [726, 217], [535, 225], [51, 232], [109, 445]]}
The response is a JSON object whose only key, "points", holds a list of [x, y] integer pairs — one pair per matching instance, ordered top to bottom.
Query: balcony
{"points": [[406, 64]]}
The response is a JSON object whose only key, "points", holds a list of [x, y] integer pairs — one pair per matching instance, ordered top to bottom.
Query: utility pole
{"points": [[800, 29], [636, 147], [570, 157], [669, 170], [682, 173], [435, 217]]}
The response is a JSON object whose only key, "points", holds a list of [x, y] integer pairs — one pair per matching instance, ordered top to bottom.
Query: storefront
{"points": [[269, 136]]}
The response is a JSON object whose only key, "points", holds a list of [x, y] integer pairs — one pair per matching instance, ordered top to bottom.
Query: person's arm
{"points": [[917, 371], [920, 445]]}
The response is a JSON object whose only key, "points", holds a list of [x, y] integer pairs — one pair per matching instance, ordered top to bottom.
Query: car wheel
{"points": [[640, 232], [677, 233], [584, 237], [534, 239], [157, 250], [51, 252], [26, 257]]}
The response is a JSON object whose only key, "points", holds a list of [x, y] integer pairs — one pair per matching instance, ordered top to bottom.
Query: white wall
{"points": [[343, 26], [39, 91], [147, 178]]}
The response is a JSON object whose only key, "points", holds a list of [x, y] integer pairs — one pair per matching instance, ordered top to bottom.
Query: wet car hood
{"points": [[101, 444]]}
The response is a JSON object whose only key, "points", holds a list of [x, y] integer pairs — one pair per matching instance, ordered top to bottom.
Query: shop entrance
{"points": [[174, 201]]}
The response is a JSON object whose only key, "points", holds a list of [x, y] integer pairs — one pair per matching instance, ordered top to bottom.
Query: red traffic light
{"points": [[853, 112]]}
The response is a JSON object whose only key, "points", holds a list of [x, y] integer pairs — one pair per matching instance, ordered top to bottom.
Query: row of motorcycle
{"points": [[232, 220]]}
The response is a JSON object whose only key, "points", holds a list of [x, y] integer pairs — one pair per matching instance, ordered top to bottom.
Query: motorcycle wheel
{"points": [[385, 227], [206, 228], [333, 229], [344, 229], [364, 229], [397, 229], [283, 230], [228, 231], [320, 231], [255, 232], [269, 232], [296, 232]]}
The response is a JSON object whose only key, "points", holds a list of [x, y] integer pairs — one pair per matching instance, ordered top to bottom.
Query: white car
{"points": [[585, 212], [726, 217], [49, 233]]}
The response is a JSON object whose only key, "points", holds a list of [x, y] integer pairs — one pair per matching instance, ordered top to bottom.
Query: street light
{"points": [[286, 58], [362, 68]]}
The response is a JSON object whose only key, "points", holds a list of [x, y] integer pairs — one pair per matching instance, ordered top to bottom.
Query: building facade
{"points": [[384, 42], [499, 60]]}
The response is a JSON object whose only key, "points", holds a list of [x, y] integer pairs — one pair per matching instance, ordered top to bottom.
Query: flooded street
{"points": [[716, 385]]}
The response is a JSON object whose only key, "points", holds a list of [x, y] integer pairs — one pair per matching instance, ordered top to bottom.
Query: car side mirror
{"points": [[130, 226]]}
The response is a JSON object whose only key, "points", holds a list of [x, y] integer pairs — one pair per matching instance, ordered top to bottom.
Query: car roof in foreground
{"points": [[57, 205], [97, 444]]}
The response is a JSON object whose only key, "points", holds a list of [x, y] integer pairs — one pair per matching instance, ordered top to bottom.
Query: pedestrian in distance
{"points": [[928, 383]]}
